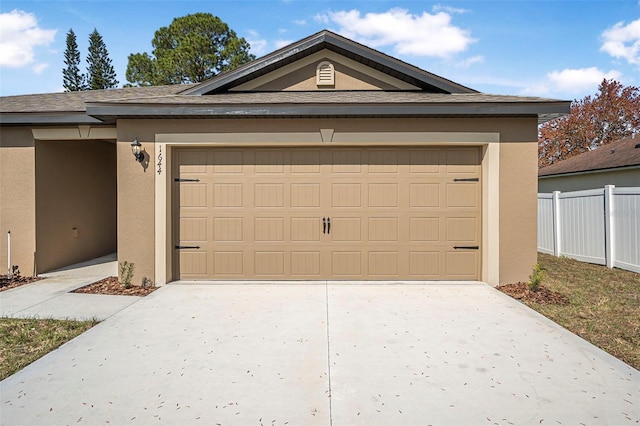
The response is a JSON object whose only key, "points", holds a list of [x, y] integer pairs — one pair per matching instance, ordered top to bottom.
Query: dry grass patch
{"points": [[604, 304], [23, 341]]}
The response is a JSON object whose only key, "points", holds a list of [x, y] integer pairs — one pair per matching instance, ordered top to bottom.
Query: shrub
{"points": [[126, 273], [535, 279], [146, 282]]}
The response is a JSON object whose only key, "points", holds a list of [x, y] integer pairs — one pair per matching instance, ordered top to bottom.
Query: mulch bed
{"points": [[16, 281], [113, 286], [542, 295]]}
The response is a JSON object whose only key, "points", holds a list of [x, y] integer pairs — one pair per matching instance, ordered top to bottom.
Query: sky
{"points": [[552, 49]]}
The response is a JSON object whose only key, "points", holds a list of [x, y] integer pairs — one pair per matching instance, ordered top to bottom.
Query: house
{"points": [[322, 160], [617, 163]]}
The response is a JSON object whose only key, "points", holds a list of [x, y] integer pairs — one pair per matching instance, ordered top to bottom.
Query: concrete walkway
{"points": [[51, 297], [324, 354]]}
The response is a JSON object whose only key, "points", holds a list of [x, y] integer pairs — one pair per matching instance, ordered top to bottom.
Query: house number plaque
{"points": [[160, 160]]}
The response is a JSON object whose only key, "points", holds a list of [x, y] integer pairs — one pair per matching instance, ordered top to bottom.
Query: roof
{"points": [[328, 40], [437, 96], [619, 154]]}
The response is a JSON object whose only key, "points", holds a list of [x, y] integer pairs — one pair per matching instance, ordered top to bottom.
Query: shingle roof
{"points": [[75, 101], [622, 153]]}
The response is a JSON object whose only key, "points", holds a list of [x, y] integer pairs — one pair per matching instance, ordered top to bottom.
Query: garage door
{"points": [[340, 213]]}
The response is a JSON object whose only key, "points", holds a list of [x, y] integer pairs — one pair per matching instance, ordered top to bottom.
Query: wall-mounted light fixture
{"points": [[135, 148]]}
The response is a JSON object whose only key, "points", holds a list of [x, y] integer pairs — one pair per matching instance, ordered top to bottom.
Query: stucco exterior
{"points": [[73, 190]]}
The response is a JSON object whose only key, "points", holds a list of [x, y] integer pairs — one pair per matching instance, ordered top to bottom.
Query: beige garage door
{"points": [[339, 213]]}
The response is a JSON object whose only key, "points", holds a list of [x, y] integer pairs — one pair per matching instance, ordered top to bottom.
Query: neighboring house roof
{"points": [[435, 97], [619, 154]]}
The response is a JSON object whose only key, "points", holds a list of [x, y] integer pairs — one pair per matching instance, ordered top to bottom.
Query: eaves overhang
{"points": [[110, 112], [48, 118]]}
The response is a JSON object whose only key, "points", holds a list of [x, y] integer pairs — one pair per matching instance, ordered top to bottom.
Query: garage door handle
{"points": [[466, 180], [324, 225], [328, 225], [187, 247], [466, 247]]}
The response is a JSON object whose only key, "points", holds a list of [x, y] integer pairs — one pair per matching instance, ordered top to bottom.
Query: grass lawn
{"points": [[604, 304], [22, 341]]}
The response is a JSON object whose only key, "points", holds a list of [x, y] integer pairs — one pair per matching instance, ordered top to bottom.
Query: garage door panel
{"points": [[462, 160], [269, 161], [346, 161], [383, 161], [227, 162], [305, 162], [193, 195], [227, 195], [269, 195], [305, 195], [346, 195], [383, 195], [424, 195], [462, 195], [395, 213], [228, 229], [269, 229], [305, 229], [346, 229], [383, 229], [424, 229], [462, 229], [229, 263], [269, 263], [305, 263], [193, 264], [346, 264], [383, 264], [424, 264], [461, 264]]}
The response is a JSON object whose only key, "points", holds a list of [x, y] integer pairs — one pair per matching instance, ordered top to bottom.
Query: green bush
{"points": [[126, 273], [535, 279]]}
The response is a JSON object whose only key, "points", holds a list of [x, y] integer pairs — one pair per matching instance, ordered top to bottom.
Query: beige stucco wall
{"points": [[594, 180], [75, 190], [517, 191], [17, 198]]}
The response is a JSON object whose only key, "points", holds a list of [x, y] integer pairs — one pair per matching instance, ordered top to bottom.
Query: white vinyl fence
{"points": [[599, 226]]}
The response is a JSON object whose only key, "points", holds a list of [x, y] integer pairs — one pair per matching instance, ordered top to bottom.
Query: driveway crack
{"points": [[328, 352]]}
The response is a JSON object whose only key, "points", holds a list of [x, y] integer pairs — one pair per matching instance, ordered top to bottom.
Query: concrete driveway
{"points": [[324, 354]]}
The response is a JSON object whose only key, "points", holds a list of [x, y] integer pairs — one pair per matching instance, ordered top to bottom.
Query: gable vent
{"points": [[325, 74]]}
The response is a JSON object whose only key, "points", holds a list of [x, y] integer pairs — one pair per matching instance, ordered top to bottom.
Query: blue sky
{"points": [[557, 49]]}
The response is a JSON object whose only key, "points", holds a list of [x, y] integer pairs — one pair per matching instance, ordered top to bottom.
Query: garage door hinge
{"points": [[466, 179], [186, 180], [187, 247], [466, 247]]}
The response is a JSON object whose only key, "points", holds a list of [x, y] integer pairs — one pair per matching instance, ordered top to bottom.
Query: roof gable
{"points": [[327, 41], [619, 154]]}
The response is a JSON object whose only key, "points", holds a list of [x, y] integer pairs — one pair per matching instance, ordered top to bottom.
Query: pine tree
{"points": [[101, 74], [72, 79]]}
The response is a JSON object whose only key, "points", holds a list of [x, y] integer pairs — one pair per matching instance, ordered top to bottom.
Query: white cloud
{"points": [[448, 9], [300, 22], [19, 35], [419, 35], [623, 41], [282, 43], [258, 44], [466, 63], [39, 68], [571, 82]]}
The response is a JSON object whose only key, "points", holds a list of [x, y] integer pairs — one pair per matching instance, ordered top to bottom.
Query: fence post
{"points": [[556, 223], [609, 223]]}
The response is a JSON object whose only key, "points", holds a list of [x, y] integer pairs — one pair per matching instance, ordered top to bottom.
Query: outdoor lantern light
{"points": [[135, 148]]}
